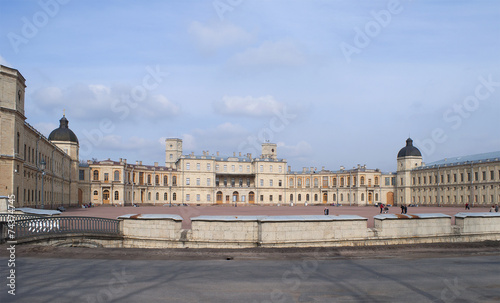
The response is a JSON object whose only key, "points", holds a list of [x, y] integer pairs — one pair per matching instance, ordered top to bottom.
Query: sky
{"points": [[332, 83]]}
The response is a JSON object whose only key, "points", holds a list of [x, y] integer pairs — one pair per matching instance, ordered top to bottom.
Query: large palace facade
{"points": [[45, 172]]}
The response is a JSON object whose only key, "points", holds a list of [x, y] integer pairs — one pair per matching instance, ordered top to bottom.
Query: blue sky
{"points": [[331, 82]]}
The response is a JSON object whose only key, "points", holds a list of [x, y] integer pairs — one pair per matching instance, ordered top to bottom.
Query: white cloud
{"points": [[218, 35], [281, 53], [3, 61], [97, 101], [248, 106], [301, 150]]}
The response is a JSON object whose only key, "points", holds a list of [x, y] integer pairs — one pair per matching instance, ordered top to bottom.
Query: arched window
{"points": [[96, 175], [117, 175], [149, 180], [157, 180], [165, 180], [174, 180], [362, 180], [376, 180], [291, 182], [308, 182], [315, 182], [334, 182], [299, 183], [96, 193], [117, 195], [149, 196], [157, 196], [165, 196], [174, 196], [291, 197], [299, 197], [307, 197], [315, 197], [334, 197], [341, 197], [362, 197], [376, 197]]}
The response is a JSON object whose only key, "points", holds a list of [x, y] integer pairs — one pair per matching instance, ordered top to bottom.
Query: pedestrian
{"points": [[467, 206], [381, 207], [496, 207], [402, 209], [406, 209], [492, 209], [327, 211]]}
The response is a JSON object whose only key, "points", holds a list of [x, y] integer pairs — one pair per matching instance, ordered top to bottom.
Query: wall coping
{"points": [[36, 211], [477, 215], [412, 216], [151, 217], [227, 218], [312, 218], [317, 218]]}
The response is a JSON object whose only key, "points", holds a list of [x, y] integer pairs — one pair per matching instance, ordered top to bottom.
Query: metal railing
{"points": [[5, 217], [43, 226]]}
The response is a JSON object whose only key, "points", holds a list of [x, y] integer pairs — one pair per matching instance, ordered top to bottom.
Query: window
{"points": [[171, 156], [188, 166], [197, 166], [208, 167], [217, 167], [225, 167], [232, 168], [241, 168], [248, 168], [271, 168], [261, 169], [280, 169], [81, 175], [96, 175], [484, 175], [492, 175], [116, 176], [476, 176], [106, 177], [149, 178], [455, 178], [157, 180], [165, 180], [174, 180], [362, 180], [376, 181], [188, 182], [198, 182], [208, 182], [232, 182], [241, 182], [248, 182], [261, 182], [270, 182], [291, 182], [299, 182], [308, 182], [316, 182], [325, 182], [342, 182], [279, 183], [96, 193], [117, 195], [149, 196], [157, 196], [165, 196], [174, 196], [188, 197], [198, 197], [208, 197], [291, 197], [299, 197], [307, 197], [315, 197], [362, 197], [261, 198], [270, 198], [280, 198]]}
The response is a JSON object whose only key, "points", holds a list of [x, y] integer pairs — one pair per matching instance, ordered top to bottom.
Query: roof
{"points": [[63, 133], [409, 150], [470, 159]]}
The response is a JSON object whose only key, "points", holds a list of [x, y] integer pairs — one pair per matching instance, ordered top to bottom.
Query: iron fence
{"points": [[42, 226]]}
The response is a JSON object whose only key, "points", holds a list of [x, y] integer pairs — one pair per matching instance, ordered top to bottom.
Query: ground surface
{"points": [[188, 212], [423, 273]]}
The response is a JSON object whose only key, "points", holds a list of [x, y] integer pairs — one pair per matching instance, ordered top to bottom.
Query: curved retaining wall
{"points": [[164, 231]]}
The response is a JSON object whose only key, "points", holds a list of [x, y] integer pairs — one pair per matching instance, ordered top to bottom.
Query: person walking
{"points": [[467, 206], [381, 207], [496, 207], [402, 209], [406, 209], [326, 211]]}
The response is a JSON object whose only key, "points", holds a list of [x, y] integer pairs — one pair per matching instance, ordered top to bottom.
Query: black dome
{"points": [[63, 133], [409, 150]]}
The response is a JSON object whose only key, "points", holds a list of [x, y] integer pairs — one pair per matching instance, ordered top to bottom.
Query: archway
{"points": [[105, 196], [236, 196], [219, 197], [251, 197], [325, 197], [390, 198]]}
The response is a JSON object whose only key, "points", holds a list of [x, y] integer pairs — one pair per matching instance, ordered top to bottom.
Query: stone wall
{"points": [[164, 231]]}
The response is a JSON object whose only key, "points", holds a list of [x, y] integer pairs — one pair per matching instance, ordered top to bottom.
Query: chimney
{"points": [[217, 154], [234, 154], [240, 154], [121, 160], [125, 161], [136, 162], [140, 162], [156, 164], [322, 168], [289, 169], [304, 169], [312, 169]]}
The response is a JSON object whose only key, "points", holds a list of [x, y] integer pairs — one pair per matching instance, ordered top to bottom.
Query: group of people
{"points": [[88, 205], [494, 208]]}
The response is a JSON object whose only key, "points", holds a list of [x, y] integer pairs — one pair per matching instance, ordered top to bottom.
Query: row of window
{"points": [[233, 168], [116, 177], [453, 178], [343, 181], [454, 199]]}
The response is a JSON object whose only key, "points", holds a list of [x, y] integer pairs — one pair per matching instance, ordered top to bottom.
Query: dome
{"points": [[63, 133], [409, 150]]}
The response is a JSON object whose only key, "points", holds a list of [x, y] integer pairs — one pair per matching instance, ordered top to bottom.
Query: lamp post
{"points": [[42, 167], [170, 194]]}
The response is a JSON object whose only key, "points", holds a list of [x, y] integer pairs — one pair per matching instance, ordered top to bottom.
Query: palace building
{"points": [[45, 172]]}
